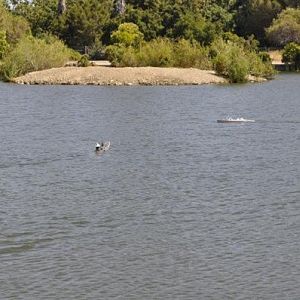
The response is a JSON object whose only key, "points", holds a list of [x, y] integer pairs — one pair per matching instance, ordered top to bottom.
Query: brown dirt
{"points": [[98, 75]]}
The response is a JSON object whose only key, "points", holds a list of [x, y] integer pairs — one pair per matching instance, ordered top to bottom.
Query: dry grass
{"points": [[276, 56]]}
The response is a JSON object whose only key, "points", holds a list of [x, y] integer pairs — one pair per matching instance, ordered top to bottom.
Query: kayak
{"points": [[102, 148]]}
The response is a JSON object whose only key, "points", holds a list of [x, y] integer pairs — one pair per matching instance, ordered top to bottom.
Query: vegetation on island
{"points": [[224, 35]]}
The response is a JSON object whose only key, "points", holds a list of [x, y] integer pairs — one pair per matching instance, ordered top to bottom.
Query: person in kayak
{"points": [[98, 147]]}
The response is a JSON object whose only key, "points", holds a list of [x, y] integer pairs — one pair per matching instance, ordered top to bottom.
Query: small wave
{"points": [[280, 121], [33, 162], [17, 249]]}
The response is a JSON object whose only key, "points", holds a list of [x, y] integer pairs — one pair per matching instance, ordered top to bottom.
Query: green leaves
{"points": [[253, 16], [15, 26], [286, 28], [128, 34], [3, 44], [32, 54], [291, 54], [236, 60]]}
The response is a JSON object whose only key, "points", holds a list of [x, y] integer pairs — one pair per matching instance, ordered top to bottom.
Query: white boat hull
{"points": [[238, 120]]}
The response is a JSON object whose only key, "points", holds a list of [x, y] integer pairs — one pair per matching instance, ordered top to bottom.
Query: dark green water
{"points": [[181, 207]]}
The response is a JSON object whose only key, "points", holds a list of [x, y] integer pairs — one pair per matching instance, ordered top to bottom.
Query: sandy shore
{"points": [[97, 75]]}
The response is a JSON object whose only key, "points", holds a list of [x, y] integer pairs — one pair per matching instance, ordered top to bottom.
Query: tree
{"points": [[290, 3], [41, 15], [253, 16], [84, 21], [15, 27], [193, 27], [286, 28], [128, 34], [291, 54]]}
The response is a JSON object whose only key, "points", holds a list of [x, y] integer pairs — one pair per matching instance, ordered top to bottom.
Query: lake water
{"points": [[180, 207]]}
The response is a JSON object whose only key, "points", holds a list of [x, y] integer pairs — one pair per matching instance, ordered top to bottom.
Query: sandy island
{"points": [[105, 75]]}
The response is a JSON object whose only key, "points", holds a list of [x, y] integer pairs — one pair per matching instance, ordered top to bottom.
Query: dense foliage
{"points": [[86, 21], [286, 28], [186, 30], [161, 52], [33, 54], [230, 55], [291, 55]]}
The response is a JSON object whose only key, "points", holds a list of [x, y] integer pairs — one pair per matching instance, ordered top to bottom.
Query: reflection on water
{"points": [[180, 207]]}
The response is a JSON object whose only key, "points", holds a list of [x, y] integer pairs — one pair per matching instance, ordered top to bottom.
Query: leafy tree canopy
{"points": [[253, 16], [86, 22], [286, 28], [128, 34]]}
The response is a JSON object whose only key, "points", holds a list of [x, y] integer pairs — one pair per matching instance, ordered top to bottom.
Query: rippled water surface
{"points": [[180, 207]]}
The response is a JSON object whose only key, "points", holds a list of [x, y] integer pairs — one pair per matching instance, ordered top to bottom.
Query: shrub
{"points": [[96, 51], [115, 53], [156, 53], [160, 53], [31, 54], [291, 54], [188, 55], [265, 56], [129, 58], [83, 61], [237, 61], [232, 64]]}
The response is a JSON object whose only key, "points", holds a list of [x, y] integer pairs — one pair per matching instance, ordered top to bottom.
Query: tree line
{"points": [[87, 22], [130, 30]]}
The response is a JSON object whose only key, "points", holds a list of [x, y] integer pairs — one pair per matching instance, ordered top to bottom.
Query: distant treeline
{"points": [[201, 26]]}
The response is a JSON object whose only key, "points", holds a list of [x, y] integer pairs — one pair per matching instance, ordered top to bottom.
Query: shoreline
{"points": [[127, 76]]}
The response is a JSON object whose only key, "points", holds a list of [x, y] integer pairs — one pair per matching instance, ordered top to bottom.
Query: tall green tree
{"points": [[253, 16], [84, 20], [15, 27], [286, 28]]}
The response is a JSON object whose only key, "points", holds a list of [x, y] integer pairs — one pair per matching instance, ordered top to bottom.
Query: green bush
{"points": [[15, 27], [96, 51], [156, 53], [160, 53], [31, 54], [115, 54], [291, 54], [191, 55], [265, 56], [129, 58], [235, 58], [83, 61], [237, 61], [260, 65], [231, 66]]}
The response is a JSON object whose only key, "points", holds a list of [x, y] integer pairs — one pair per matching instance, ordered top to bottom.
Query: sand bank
{"points": [[99, 75]]}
